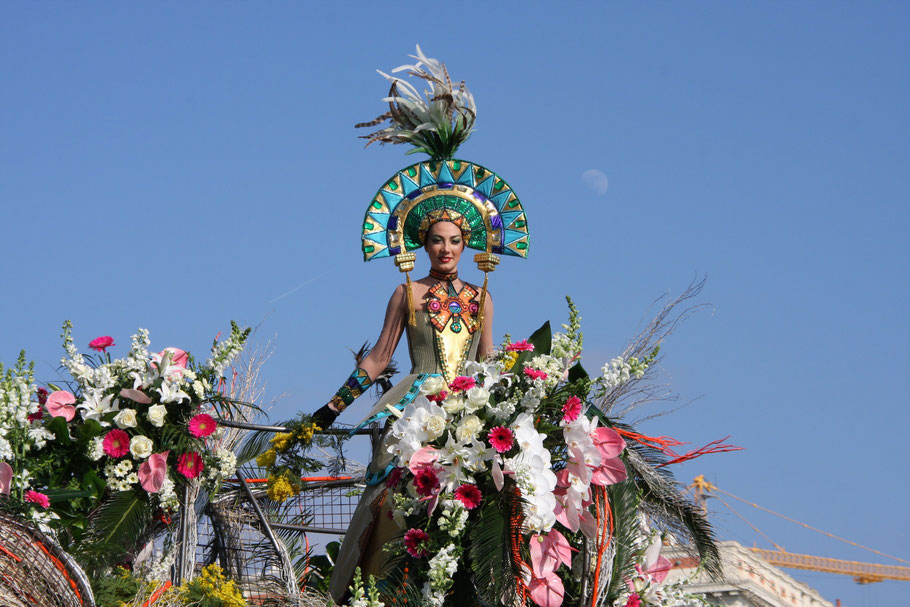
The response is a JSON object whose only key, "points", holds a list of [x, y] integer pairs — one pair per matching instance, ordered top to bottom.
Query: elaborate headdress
{"points": [[442, 188]]}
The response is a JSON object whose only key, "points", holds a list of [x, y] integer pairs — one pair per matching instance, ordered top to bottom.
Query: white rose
{"points": [[433, 385], [477, 399], [454, 404], [156, 415], [126, 419], [435, 426], [468, 428], [141, 446]]}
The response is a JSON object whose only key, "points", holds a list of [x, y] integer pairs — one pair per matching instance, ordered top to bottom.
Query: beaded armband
{"points": [[353, 387]]}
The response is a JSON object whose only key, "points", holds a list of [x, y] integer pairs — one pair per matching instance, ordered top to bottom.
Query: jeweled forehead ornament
{"points": [[442, 188]]}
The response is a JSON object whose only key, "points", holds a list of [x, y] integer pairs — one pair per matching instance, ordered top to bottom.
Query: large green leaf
{"points": [[61, 431]]}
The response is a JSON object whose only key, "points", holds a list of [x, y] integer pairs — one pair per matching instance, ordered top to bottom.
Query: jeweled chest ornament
{"points": [[457, 310]]}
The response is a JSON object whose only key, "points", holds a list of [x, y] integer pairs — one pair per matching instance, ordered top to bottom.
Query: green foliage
{"points": [[624, 498], [121, 522], [489, 549], [116, 588]]}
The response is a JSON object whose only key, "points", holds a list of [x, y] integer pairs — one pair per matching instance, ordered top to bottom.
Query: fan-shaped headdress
{"points": [[442, 188]]}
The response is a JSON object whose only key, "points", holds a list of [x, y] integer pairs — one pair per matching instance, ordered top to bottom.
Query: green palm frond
{"points": [[435, 123], [624, 499], [663, 500], [118, 526], [489, 551]]}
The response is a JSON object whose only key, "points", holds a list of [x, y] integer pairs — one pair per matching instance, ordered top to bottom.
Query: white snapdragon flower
{"points": [[615, 373], [199, 389], [156, 415], [126, 419], [39, 435], [141, 446]]}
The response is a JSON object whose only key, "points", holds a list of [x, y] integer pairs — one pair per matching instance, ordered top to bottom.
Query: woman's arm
{"points": [[486, 332], [379, 357], [373, 363]]}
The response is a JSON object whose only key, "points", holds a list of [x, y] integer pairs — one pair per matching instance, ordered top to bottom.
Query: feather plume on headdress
{"points": [[435, 123]]}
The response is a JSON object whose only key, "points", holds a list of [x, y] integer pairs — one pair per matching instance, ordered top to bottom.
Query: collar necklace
{"points": [[443, 276]]}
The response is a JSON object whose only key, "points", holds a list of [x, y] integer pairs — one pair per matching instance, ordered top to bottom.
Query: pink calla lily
{"points": [[178, 356], [136, 396], [60, 404], [608, 442], [426, 456], [153, 471], [612, 471], [6, 478], [588, 525], [548, 552], [659, 570], [547, 590]]}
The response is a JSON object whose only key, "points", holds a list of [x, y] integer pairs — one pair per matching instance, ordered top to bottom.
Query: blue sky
{"points": [[177, 166]]}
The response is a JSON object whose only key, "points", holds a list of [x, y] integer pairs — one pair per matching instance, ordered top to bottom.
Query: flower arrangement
{"points": [[127, 432], [513, 485]]}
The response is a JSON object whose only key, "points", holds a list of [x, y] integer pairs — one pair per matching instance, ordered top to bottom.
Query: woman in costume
{"points": [[441, 205]]}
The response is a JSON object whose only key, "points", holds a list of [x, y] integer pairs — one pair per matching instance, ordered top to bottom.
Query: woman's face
{"points": [[444, 245]]}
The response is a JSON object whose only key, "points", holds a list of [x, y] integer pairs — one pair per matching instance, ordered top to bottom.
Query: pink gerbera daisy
{"points": [[101, 344], [520, 346], [535, 374], [462, 383], [572, 409], [202, 425], [501, 439], [116, 443], [190, 464], [426, 482], [469, 495], [37, 498], [415, 542]]}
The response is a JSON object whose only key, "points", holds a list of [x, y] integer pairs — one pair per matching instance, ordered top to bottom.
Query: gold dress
{"points": [[445, 335]]}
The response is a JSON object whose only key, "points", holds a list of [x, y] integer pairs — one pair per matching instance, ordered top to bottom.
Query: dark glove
{"points": [[325, 416]]}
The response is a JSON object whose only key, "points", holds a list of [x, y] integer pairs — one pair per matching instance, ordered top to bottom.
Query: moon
{"points": [[595, 180]]}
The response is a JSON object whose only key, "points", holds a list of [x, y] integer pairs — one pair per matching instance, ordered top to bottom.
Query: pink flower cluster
{"points": [[520, 346], [534, 373], [462, 383]]}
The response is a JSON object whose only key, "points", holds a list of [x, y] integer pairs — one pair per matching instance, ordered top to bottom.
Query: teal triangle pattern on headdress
{"points": [[445, 173], [426, 177], [466, 177], [407, 185], [485, 186], [391, 198], [501, 199], [508, 217], [380, 218], [513, 235], [378, 237]]}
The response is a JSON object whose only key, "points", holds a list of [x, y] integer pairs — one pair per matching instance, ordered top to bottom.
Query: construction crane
{"points": [[863, 573]]}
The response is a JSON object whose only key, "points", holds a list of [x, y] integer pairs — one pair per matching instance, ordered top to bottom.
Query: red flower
{"points": [[102, 343], [520, 346], [534, 373], [462, 383], [42, 396], [437, 397], [572, 409], [39, 414], [202, 425], [501, 439], [116, 443], [190, 464], [394, 478], [426, 482], [469, 495], [37, 498], [415, 542], [634, 600]]}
